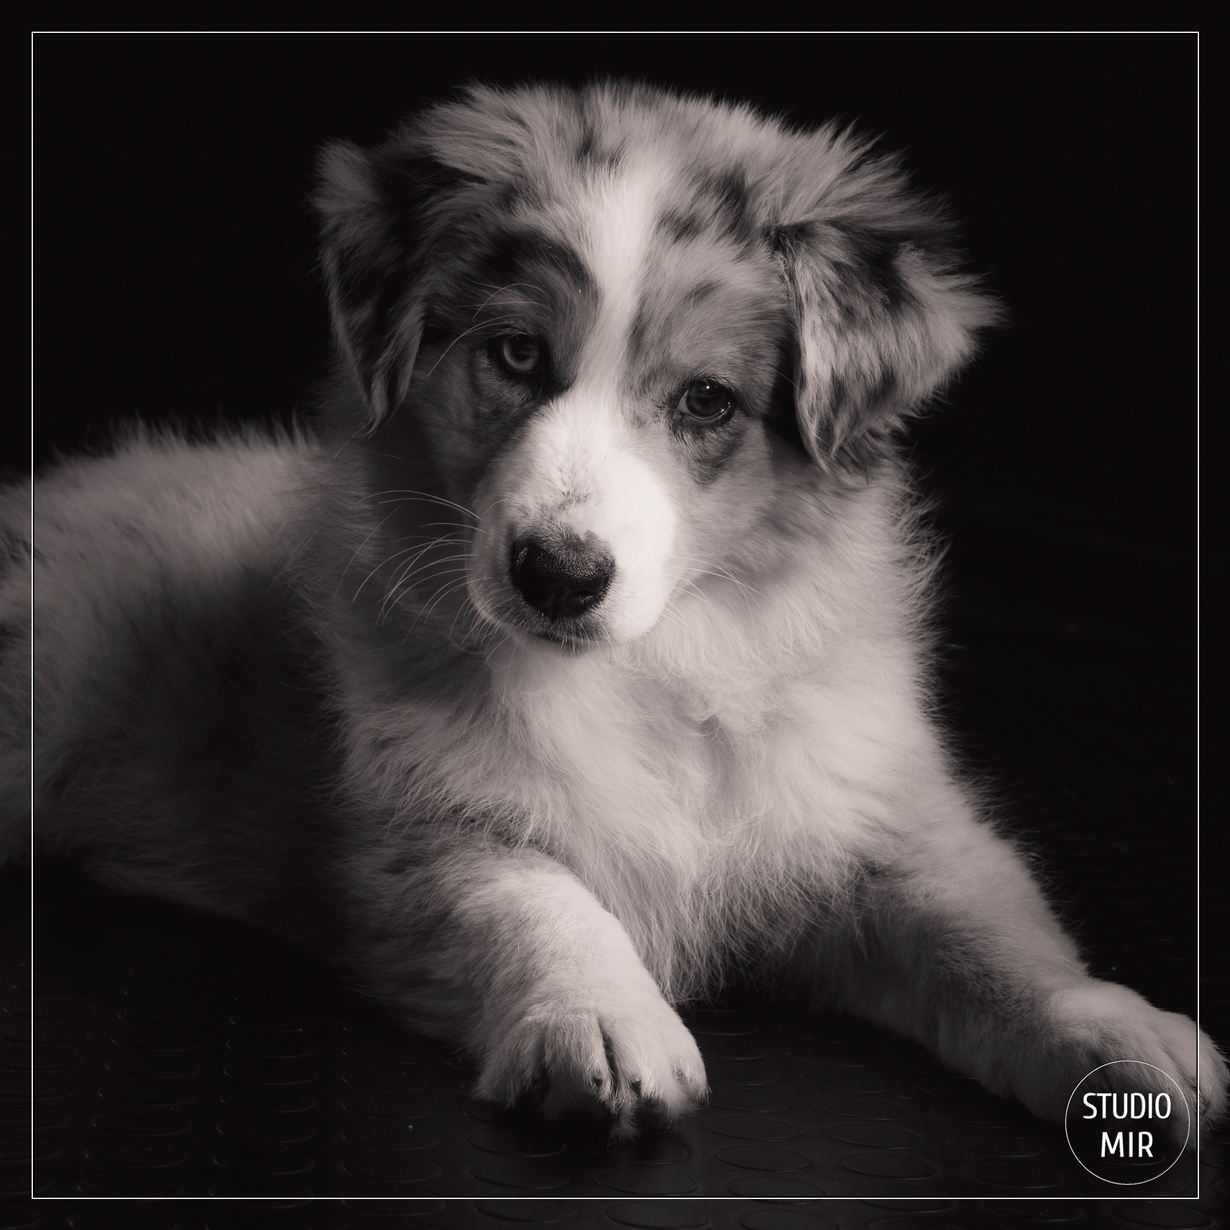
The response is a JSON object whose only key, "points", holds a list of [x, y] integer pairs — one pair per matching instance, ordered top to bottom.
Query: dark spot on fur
{"points": [[587, 144], [591, 154], [408, 181], [732, 191], [509, 197], [729, 197], [679, 227], [788, 238], [511, 252], [871, 274], [639, 330], [881, 394], [864, 398], [782, 418], [857, 430], [709, 449], [707, 467], [14, 550], [10, 636], [402, 863]]}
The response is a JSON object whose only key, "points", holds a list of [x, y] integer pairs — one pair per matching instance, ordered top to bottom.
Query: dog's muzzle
{"points": [[563, 579]]}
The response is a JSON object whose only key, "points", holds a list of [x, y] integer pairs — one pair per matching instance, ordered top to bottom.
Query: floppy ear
{"points": [[374, 242], [883, 315]]}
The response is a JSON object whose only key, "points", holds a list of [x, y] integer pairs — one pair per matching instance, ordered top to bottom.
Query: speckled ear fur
{"points": [[376, 245], [884, 316], [376, 325]]}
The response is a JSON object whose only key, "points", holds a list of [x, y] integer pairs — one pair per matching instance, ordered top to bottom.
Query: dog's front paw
{"points": [[1096, 1023], [631, 1056]]}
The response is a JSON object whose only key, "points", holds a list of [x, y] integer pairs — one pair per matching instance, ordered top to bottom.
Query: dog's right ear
{"points": [[374, 243], [884, 315]]}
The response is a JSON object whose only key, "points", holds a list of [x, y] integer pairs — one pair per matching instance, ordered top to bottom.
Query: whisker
{"points": [[499, 290], [465, 333], [348, 440], [408, 495], [452, 525], [419, 552], [355, 554], [723, 573], [403, 577], [406, 581], [397, 593], [440, 596], [499, 644]]}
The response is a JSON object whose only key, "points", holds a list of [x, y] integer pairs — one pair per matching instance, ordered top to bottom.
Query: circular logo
{"points": [[1127, 1135]]}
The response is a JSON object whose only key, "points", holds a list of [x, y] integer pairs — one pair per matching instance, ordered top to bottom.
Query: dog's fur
{"points": [[578, 660]]}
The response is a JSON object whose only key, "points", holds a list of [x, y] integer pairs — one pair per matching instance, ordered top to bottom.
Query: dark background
{"points": [[175, 279]]}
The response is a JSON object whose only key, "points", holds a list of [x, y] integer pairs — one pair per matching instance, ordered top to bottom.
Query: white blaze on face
{"points": [[618, 224], [578, 467]]}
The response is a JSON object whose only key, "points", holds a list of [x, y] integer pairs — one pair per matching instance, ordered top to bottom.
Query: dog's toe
{"points": [[1095, 1028], [640, 1067]]}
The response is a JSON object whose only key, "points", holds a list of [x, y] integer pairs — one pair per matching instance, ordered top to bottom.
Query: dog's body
{"points": [[580, 658]]}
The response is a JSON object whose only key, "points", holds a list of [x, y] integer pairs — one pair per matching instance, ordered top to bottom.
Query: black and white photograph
{"points": [[607, 628]]}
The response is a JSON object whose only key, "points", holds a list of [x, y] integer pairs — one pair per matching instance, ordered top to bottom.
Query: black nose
{"points": [[563, 580]]}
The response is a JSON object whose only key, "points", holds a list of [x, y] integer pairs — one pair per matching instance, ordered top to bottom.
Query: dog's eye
{"points": [[519, 353], [707, 401]]}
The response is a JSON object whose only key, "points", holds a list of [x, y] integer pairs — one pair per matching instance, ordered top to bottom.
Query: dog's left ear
{"points": [[883, 314]]}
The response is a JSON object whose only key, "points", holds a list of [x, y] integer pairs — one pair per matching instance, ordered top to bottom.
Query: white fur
{"points": [[619, 213], [577, 471]]}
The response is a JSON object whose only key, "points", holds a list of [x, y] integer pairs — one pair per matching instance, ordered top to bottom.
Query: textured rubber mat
{"points": [[178, 1055]]}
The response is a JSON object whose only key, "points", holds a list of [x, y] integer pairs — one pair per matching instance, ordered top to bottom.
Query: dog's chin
{"points": [[568, 635], [575, 636], [568, 641]]}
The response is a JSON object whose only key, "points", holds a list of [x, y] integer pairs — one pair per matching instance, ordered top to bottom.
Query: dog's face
{"points": [[621, 323], [597, 395]]}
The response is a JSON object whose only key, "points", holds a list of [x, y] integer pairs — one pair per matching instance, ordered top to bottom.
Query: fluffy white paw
{"points": [[1095, 1023], [629, 1055]]}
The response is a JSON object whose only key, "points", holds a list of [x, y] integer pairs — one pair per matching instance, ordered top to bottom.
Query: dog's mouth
{"points": [[577, 634]]}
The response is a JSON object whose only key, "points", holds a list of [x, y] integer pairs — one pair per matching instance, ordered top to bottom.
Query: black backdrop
{"points": [[175, 278]]}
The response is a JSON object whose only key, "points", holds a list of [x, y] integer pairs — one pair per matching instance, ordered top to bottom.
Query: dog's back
{"points": [[172, 704]]}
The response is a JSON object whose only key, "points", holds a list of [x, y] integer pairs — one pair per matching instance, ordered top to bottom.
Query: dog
{"points": [[577, 661]]}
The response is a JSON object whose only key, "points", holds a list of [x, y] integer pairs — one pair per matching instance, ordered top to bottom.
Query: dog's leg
{"points": [[951, 943], [509, 953]]}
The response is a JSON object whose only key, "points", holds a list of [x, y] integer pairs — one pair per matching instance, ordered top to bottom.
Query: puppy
{"points": [[576, 661]]}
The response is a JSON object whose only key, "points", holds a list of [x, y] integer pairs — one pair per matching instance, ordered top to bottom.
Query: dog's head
{"points": [[619, 320]]}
